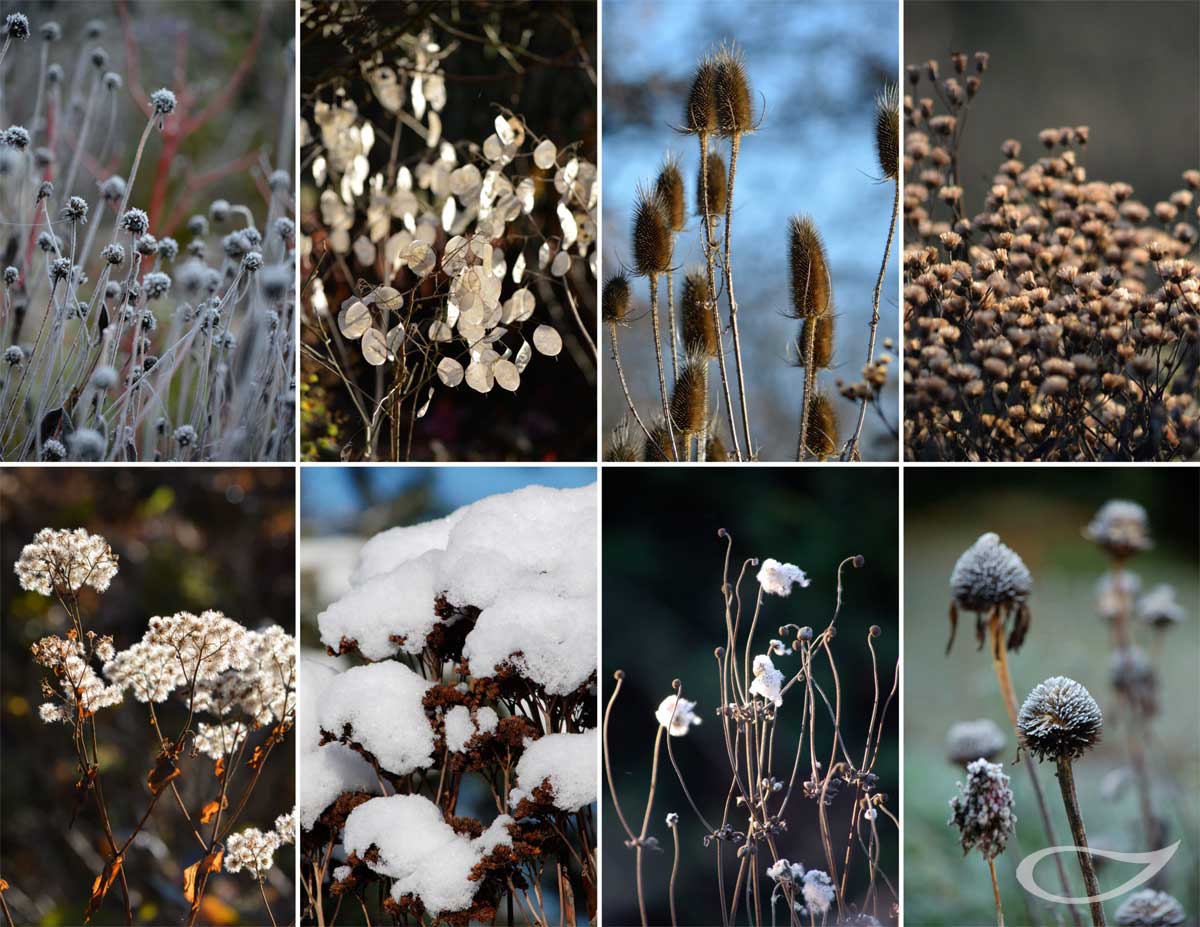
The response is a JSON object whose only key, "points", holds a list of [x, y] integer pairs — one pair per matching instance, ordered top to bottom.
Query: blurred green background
{"points": [[1040, 514], [188, 539], [662, 563]]}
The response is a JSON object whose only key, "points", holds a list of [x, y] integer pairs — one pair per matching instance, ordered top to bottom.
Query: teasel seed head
{"points": [[735, 111], [700, 113], [887, 131], [716, 186], [669, 187], [652, 245], [810, 273], [616, 298], [699, 326], [822, 342], [689, 404], [822, 427], [624, 445], [716, 447], [659, 448], [1059, 719], [967, 741], [1150, 908]]}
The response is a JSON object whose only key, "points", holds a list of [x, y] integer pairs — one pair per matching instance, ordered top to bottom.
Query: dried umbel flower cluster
{"points": [[465, 273], [1059, 322], [125, 335], [687, 422], [241, 681], [757, 711], [453, 774], [982, 812]]}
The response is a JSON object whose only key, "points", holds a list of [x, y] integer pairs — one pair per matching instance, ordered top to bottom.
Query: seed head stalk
{"points": [[735, 142], [658, 356], [810, 386], [1066, 782]]}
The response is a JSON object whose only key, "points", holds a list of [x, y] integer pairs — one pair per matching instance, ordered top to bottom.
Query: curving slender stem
{"points": [[1066, 783]]}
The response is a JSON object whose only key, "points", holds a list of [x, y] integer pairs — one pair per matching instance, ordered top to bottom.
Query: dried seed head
{"points": [[735, 112], [700, 115], [887, 131], [716, 186], [669, 187], [651, 235], [810, 274], [614, 301], [699, 325], [822, 342], [689, 402], [822, 427], [623, 445], [716, 447], [659, 448], [1120, 527], [989, 573], [1160, 609], [1059, 719], [968, 741], [982, 810], [1150, 908]]}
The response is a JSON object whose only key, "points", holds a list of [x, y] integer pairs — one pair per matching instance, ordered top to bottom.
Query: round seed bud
{"points": [[1059, 719], [968, 741], [1150, 908]]}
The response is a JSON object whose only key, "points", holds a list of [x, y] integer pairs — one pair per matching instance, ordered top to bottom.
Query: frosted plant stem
{"points": [[41, 89], [81, 141], [735, 143], [710, 249], [33, 355], [616, 356], [658, 356], [810, 382], [851, 451], [1066, 783]]}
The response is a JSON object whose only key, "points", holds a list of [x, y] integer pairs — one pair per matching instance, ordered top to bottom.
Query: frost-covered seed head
{"points": [[16, 26], [112, 80], [162, 102], [15, 137], [280, 181], [113, 190], [75, 210], [218, 210], [135, 222], [198, 225], [285, 229], [146, 245], [168, 248], [114, 254], [252, 262], [60, 269], [11, 275], [276, 282], [157, 285], [14, 356], [104, 377], [184, 435], [86, 444], [53, 451], [1120, 527], [66, 561], [989, 573], [778, 578], [1160, 609], [1131, 673], [768, 681], [677, 715], [1059, 719], [971, 740], [982, 809], [672, 819], [818, 891], [1150, 908]]}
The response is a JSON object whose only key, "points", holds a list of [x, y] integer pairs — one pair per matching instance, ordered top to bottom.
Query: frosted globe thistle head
{"points": [[16, 26], [54, 74], [112, 80], [162, 102], [15, 137], [113, 190], [75, 209], [218, 210], [135, 222], [198, 225], [285, 229], [47, 241], [146, 245], [168, 248], [114, 254], [252, 262], [11, 275], [157, 285], [14, 356], [104, 377], [185, 435], [53, 451], [1120, 527], [59, 560], [989, 576], [778, 578], [1159, 608], [1131, 674], [768, 681], [677, 715], [1059, 718], [967, 741], [982, 811], [1150, 908]]}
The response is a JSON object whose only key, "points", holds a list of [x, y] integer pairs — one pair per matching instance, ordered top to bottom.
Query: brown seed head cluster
{"points": [[716, 185], [652, 244], [699, 323]]}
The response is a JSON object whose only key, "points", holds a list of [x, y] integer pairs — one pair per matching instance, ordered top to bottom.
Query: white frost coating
{"points": [[388, 549], [396, 603], [555, 637], [382, 703], [486, 720], [459, 728], [568, 761], [330, 770], [420, 850]]}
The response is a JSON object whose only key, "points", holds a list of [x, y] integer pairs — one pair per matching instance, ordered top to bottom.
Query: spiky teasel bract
{"points": [[731, 85], [700, 111], [887, 131], [713, 184], [669, 187], [652, 244], [810, 273], [616, 298], [699, 324], [822, 342], [689, 403], [822, 427], [623, 445], [659, 448], [1059, 718]]}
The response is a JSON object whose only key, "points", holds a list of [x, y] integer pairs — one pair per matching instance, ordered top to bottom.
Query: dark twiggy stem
{"points": [[1066, 782], [674, 873]]}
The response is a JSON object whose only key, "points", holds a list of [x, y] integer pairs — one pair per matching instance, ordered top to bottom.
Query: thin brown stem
{"points": [[734, 144], [1066, 783], [996, 893]]}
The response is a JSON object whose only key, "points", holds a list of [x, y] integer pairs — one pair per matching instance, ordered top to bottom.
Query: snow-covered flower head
{"points": [[1120, 527], [66, 561], [989, 573], [778, 578], [768, 681], [677, 715], [1059, 718], [982, 811], [252, 850], [783, 870], [818, 891], [1150, 908]]}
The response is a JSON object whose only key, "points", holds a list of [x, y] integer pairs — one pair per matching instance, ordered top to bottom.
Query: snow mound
{"points": [[388, 549], [382, 705], [568, 761], [418, 849]]}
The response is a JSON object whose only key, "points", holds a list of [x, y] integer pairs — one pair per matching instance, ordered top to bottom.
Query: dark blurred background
{"points": [[815, 69], [1128, 69], [552, 416], [1040, 513], [188, 539], [663, 616]]}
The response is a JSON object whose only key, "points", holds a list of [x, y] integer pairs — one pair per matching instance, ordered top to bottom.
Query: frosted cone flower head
{"points": [[162, 102], [1120, 527], [66, 561], [989, 573], [778, 578], [1160, 609], [768, 681], [677, 715], [1059, 719], [972, 740], [982, 811], [1149, 908]]}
